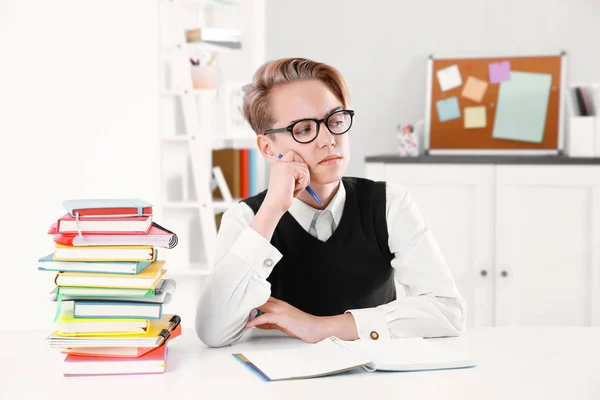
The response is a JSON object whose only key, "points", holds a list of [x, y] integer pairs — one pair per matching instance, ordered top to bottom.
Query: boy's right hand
{"points": [[289, 177]]}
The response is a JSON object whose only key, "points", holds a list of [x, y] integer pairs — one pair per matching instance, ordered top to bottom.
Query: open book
{"points": [[332, 355]]}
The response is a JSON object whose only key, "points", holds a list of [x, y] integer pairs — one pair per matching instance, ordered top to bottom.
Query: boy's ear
{"points": [[265, 145]]}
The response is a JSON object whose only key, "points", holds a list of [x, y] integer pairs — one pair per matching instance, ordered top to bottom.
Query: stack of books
{"points": [[110, 288]]}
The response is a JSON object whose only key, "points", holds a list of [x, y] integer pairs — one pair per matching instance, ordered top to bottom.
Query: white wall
{"points": [[381, 47], [79, 94], [78, 118]]}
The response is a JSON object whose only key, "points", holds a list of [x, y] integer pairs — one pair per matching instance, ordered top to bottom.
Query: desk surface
{"points": [[513, 363]]}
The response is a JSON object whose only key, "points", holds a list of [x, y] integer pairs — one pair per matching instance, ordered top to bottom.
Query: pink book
{"points": [[110, 226], [157, 236], [153, 362]]}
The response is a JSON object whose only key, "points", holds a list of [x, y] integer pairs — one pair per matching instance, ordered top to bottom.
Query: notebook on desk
{"points": [[332, 356]]}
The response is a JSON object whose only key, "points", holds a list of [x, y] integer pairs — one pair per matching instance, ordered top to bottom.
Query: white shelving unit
{"points": [[192, 120]]}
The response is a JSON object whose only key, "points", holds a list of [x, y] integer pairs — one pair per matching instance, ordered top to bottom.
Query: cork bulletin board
{"points": [[495, 105]]}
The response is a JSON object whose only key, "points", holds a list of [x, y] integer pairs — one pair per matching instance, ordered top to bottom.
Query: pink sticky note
{"points": [[499, 72]]}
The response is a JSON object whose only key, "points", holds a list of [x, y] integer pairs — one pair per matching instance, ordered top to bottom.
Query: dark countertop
{"points": [[483, 159]]}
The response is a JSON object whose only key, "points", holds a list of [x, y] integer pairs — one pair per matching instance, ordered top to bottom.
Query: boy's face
{"points": [[328, 155]]}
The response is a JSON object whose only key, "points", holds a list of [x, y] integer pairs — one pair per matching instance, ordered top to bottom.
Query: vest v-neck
{"points": [[299, 230], [350, 270]]}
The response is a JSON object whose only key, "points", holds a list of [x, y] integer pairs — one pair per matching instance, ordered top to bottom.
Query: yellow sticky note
{"points": [[474, 89], [475, 117]]}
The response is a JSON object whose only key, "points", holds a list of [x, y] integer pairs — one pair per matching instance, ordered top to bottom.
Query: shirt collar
{"points": [[304, 214]]}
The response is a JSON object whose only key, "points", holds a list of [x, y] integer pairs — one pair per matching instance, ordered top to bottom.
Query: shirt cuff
{"points": [[255, 250], [371, 324]]}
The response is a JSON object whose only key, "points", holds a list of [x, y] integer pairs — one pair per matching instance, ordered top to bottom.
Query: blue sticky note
{"points": [[522, 107], [448, 109]]}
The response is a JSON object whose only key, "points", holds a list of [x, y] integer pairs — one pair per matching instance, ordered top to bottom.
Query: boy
{"points": [[285, 261]]}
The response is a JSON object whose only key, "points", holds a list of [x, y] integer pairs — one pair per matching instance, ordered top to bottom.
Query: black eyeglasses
{"points": [[307, 130]]}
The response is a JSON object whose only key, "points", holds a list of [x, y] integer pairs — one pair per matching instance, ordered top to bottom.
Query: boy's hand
{"points": [[289, 177], [282, 316]]}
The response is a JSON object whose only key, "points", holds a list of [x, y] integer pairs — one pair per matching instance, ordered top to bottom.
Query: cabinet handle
{"points": [[483, 272], [504, 274]]}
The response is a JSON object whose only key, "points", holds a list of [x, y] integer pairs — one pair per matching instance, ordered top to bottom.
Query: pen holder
{"points": [[203, 77]]}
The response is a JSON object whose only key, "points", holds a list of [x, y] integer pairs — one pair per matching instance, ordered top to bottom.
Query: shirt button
{"points": [[268, 262], [374, 335]]}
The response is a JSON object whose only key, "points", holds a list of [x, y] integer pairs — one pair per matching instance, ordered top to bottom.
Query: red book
{"points": [[244, 174], [123, 226], [153, 362]]}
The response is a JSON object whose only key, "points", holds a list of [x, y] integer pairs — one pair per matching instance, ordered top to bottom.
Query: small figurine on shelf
{"points": [[407, 140]]}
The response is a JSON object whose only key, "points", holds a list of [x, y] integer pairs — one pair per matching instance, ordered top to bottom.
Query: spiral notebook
{"points": [[332, 355]]}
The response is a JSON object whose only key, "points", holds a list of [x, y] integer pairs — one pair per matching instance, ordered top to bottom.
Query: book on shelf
{"points": [[226, 37], [229, 161], [244, 173]]}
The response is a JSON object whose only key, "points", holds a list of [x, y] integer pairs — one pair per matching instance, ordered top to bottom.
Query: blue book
{"points": [[253, 171], [47, 263]]}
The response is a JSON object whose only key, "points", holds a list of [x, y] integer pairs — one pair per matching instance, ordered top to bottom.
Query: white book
{"points": [[104, 253], [332, 355]]}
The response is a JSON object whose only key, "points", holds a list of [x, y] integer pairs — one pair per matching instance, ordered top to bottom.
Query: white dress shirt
{"points": [[430, 306]]}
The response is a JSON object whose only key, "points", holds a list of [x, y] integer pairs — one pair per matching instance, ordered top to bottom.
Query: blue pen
{"points": [[308, 189]]}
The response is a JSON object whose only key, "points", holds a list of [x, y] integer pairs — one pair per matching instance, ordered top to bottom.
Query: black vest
{"points": [[351, 270]]}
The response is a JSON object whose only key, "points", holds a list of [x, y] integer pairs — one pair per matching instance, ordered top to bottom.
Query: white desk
{"points": [[513, 363]]}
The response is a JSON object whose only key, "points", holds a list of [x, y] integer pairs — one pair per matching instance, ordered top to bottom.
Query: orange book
{"points": [[116, 352]]}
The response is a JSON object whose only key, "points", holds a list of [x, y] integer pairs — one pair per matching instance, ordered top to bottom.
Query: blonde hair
{"points": [[257, 107]]}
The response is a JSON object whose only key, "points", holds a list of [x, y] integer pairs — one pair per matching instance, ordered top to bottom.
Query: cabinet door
{"points": [[457, 203], [547, 245]]}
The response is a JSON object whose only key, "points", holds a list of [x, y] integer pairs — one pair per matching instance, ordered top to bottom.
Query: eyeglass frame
{"points": [[290, 128]]}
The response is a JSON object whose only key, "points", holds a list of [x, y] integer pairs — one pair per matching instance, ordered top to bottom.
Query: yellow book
{"points": [[104, 253], [147, 279], [71, 326], [151, 338]]}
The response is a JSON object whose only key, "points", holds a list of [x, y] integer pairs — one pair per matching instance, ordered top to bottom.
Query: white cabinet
{"points": [[522, 241], [545, 243]]}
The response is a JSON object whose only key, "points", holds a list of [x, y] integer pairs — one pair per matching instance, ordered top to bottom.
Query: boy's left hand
{"points": [[282, 316]]}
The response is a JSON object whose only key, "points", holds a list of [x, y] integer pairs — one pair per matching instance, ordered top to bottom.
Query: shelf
{"points": [[226, 5], [200, 46], [179, 92], [219, 142], [233, 142], [181, 204], [222, 205], [219, 206]]}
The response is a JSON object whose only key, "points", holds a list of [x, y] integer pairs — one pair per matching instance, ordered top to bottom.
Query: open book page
{"points": [[413, 354], [327, 357]]}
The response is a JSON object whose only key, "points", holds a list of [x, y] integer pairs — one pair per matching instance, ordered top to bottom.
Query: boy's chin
{"points": [[326, 179]]}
